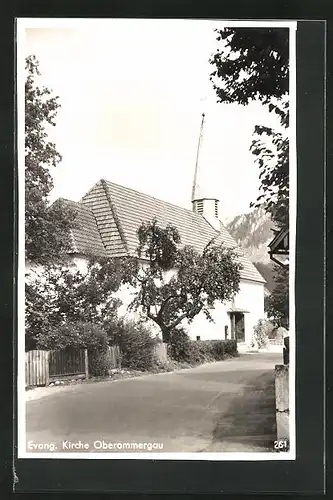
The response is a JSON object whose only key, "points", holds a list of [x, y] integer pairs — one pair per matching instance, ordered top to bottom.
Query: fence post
{"points": [[118, 357], [86, 363], [47, 367]]}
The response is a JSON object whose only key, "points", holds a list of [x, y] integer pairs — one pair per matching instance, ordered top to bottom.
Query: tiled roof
{"points": [[119, 212], [106, 214], [86, 238]]}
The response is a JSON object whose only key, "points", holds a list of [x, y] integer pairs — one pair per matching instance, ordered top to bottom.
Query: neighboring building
{"points": [[279, 247]]}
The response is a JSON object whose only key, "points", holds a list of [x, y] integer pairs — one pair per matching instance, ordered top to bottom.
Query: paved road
{"points": [[224, 406]]}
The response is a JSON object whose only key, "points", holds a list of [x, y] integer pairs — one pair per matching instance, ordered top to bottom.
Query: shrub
{"points": [[60, 295], [270, 329], [260, 333], [77, 334], [278, 334], [80, 336], [60, 337], [95, 340], [135, 342], [179, 347], [230, 347], [215, 349], [218, 349], [184, 350], [206, 350], [198, 352], [98, 363], [165, 366]]}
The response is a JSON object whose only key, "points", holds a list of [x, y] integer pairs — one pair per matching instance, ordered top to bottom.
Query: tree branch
{"points": [[159, 315], [151, 316], [183, 316]]}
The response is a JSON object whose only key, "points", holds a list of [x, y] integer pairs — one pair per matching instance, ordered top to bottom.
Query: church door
{"points": [[237, 326]]}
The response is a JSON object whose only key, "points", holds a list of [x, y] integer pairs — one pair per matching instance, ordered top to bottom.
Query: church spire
{"points": [[195, 186], [206, 206]]}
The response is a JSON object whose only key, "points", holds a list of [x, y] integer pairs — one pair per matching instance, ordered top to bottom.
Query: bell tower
{"points": [[206, 206]]}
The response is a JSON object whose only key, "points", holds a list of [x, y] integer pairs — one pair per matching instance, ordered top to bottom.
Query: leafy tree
{"points": [[253, 64], [272, 151], [46, 228], [177, 283], [59, 296], [278, 301], [260, 334], [78, 335]]}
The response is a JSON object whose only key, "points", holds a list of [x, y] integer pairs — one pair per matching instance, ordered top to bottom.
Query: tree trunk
{"points": [[166, 330], [165, 334]]}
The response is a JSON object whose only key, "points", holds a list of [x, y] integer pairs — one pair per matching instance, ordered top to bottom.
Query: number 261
{"points": [[281, 444]]}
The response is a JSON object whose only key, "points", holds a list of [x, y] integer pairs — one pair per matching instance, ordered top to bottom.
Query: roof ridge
{"points": [[89, 190], [65, 199], [79, 203], [114, 214]]}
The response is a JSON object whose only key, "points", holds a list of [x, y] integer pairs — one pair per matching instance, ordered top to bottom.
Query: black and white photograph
{"points": [[157, 214]]}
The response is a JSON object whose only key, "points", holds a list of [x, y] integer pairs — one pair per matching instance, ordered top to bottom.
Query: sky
{"points": [[132, 93]]}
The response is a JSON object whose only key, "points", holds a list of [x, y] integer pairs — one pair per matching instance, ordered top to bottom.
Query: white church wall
{"points": [[78, 262], [81, 263], [126, 295], [249, 298], [204, 329]]}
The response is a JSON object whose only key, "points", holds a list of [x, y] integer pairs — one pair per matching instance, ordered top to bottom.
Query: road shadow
{"points": [[249, 424]]}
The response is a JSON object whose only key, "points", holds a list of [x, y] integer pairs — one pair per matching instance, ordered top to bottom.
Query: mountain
{"points": [[253, 231], [267, 272]]}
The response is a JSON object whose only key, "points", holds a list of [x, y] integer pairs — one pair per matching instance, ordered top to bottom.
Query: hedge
{"points": [[135, 342], [183, 349]]}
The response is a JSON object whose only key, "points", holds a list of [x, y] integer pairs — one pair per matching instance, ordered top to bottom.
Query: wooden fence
{"points": [[114, 357], [67, 362], [41, 367], [36, 368]]}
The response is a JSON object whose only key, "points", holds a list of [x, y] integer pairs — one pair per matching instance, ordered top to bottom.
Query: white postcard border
{"points": [[22, 24]]}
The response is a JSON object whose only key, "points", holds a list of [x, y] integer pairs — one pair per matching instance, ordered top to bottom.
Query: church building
{"points": [[108, 217]]}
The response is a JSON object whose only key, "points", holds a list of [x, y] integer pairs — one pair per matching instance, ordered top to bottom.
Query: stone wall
{"points": [[282, 401]]}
